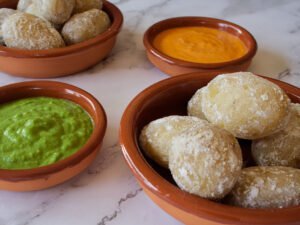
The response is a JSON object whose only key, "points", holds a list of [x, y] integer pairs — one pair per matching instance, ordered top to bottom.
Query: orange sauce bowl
{"points": [[61, 61], [174, 66], [170, 97], [58, 172]]}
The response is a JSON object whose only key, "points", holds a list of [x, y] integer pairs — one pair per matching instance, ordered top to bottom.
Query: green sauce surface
{"points": [[40, 131]]}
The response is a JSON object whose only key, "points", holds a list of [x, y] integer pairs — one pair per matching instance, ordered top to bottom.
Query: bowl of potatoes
{"points": [[52, 38], [217, 148]]}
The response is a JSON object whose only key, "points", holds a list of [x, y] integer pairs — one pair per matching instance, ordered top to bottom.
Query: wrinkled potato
{"points": [[85, 5], [54, 11], [84, 26], [25, 31], [248, 106], [156, 137], [281, 148], [205, 160], [266, 187]]}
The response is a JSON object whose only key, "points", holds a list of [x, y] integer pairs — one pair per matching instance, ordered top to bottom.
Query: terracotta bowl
{"points": [[61, 61], [174, 67], [170, 97], [47, 176]]}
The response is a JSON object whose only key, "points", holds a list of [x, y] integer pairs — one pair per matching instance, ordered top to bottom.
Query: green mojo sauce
{"points": [[40, 131]]}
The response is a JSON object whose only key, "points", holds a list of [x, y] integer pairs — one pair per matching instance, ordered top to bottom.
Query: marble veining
{"points": [[107, 193], [112, 216]]}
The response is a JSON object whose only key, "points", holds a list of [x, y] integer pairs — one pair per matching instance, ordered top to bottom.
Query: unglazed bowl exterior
{"points": [[61, 61], [174, 67], [170, 97], [53, 174]]}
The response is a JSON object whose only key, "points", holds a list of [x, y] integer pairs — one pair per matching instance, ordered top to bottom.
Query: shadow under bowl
{"points": [[61, 61], [174, 67], [170, 97], [53, 174]]}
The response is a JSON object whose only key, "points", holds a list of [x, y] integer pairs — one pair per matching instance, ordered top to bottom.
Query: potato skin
{"points": [[23, 4], [85, 5], [54, 11], [4, 14], [84, 26], [25, 31], [194, 105], [248, 106], [156, 137], [281, 148], [205, 160], [266, 187]]}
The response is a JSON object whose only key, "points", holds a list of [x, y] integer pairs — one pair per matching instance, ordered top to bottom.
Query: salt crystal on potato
{"points": [[23, 4], [54, 11], [4, 14], [84, 26], [25, 31], [194, 105], [248, 106], [156, 137], [281, 148], [205, 160], [266, 187]]}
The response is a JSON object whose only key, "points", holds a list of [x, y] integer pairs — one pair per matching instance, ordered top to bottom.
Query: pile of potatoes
{"points": [[46, 24], [203, 154]]}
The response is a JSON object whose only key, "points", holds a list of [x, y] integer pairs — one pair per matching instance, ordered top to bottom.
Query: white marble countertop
{"points": [[107, 193]]}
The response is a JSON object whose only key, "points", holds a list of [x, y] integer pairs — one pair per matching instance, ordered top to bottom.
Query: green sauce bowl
{"points": [[46, 176]]}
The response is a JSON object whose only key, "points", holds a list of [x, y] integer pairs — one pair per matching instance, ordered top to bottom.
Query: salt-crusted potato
{"points": [[23, 4], [85, 5], [55, 11], [4, 13], [84, 26], [25, 31], [194, 105], [246, 105], [156, 137], [281, 148], [205, 160], [266, 187]]}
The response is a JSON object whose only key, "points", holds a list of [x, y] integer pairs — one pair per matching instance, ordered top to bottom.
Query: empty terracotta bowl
{"points": [[61, 61], [174, 67], [170, 97], [47, 176]]}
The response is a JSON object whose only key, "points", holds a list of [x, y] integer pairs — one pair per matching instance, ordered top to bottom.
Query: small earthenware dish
{"points": [[61, 61], [174, 67], [170, 97], [53, 174]]}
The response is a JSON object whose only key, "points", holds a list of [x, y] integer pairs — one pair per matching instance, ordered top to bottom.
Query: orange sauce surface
{"points": [[200, 44]]}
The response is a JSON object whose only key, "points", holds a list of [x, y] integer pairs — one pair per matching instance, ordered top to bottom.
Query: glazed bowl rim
{"points": [[113, 30], [174, 61], [99, 128], [163, 189]]}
